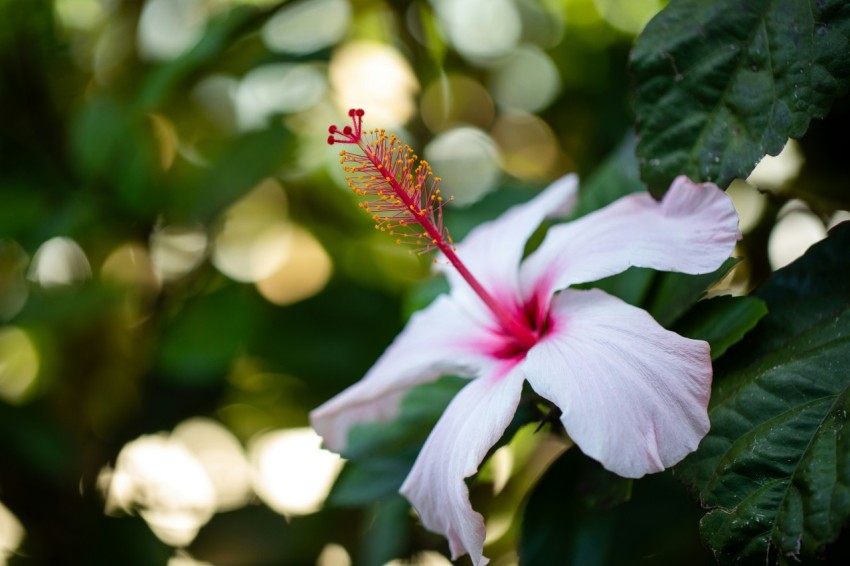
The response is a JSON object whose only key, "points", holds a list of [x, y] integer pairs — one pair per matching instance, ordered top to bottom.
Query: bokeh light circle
{"points": [[305, 27], [168, 28], [480, 29], [375, 76], [527, 80], [277, 88], [453, 100], [528, 147], [468, 162], [797, 229], [255, 235], [58, 262], [303, 273], [19, 364], [222, 457], [292, 472], [158, 477]]}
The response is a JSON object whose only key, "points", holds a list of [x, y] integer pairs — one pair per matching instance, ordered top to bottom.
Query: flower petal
{"points": [[692, 230], [493, 250], [437, 340], [633, 395], [473, 422]]}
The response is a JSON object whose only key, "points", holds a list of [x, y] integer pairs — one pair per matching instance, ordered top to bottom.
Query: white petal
{"points": [[692, 230], [493, 250], [438, 340], [633, 395], [473, 422]]}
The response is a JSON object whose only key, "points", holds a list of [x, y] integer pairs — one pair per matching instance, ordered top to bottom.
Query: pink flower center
{"points": [[404, 199], [536, 321]]}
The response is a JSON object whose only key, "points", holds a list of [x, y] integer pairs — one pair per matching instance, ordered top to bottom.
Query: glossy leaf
{"points": [[721, 84], [721, 321], [775, 468]]}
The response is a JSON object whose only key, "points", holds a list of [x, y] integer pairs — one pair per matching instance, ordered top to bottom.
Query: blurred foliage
{"points": [[128, 161]]}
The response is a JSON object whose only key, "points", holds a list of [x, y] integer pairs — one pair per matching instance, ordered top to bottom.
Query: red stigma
{"points": [[349, 134]]}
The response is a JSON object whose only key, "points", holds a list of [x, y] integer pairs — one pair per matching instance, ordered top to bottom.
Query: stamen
{"points": [[403, 199]]}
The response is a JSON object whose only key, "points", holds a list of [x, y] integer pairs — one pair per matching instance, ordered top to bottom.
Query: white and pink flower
{"points": [[632, 395]]}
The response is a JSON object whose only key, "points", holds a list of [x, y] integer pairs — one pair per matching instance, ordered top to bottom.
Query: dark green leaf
{"points": [[721, 84], [632, 285], [674, 293], [721, 321], [775, 468], [581, 514]]}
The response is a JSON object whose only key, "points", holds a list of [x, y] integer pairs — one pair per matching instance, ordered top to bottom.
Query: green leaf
{"points": [[721, 84], [674, 293], [721, 321], [381, 454], [775, 467], [581, 514]]}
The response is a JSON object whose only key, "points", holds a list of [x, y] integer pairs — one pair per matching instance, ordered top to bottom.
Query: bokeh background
{"points": [[183, 274]]}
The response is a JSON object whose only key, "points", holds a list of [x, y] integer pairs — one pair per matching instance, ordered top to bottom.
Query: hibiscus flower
{"points": [[632, 394]]}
